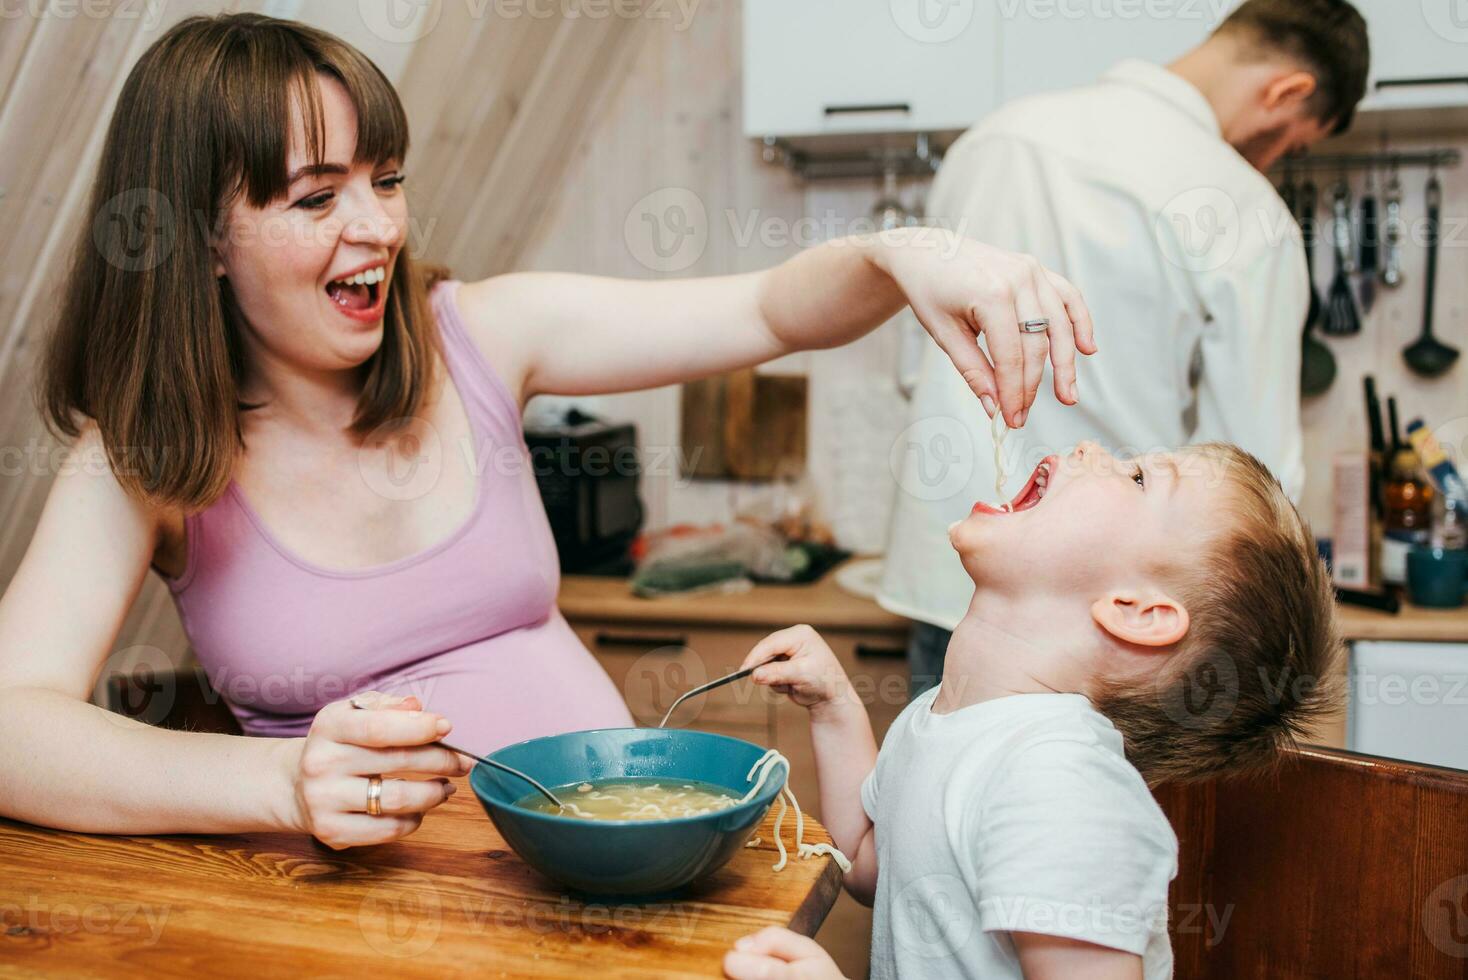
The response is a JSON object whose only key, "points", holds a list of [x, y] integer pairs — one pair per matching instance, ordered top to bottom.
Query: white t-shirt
{"points": [[1019, 814]]}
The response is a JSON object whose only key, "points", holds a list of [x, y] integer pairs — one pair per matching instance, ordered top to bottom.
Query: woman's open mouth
{"points": [[362, 295], [1033, 492]]}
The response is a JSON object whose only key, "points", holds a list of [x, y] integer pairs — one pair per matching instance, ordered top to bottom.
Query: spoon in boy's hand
{"points": [[717, 682]]}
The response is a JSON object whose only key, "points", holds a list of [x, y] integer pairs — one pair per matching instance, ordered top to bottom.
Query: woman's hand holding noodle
{"points": [[962, 290], [347, 746]]}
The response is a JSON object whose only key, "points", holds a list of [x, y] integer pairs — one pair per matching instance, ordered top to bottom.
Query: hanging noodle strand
{"points": [[998, 430], [763, 766]]}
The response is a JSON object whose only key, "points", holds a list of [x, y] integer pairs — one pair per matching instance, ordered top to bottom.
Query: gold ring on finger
{"points": [[374, 796]]}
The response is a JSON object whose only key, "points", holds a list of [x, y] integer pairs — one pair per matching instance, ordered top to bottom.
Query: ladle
{"points": [[1427, 355]]}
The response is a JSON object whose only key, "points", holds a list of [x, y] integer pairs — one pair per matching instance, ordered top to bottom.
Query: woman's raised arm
{"points": [[570, 334]]}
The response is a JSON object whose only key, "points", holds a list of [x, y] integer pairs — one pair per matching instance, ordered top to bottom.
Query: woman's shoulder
{"points": [[486, 305], [497, 314], [88, 496]]}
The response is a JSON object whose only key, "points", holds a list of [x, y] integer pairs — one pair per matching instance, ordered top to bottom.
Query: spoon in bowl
{"points": [[488, 762]]}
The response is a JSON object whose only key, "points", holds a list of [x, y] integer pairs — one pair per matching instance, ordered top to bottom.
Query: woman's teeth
{"points": [[362, 278]]}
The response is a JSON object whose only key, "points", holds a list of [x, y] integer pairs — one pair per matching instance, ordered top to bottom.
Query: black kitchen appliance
{"points": [[588, 470]]}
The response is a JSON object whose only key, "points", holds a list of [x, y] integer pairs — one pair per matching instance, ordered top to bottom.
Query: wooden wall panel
{"points": [[61, 86], [493, 137]]}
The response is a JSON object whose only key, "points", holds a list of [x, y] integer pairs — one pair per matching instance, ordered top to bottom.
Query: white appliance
{"points": [[1409, 701]]}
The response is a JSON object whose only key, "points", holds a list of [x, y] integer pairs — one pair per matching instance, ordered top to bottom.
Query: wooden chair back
{"points": [[1341, 865]]}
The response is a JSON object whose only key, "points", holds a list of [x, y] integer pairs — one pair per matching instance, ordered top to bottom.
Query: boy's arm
{"points": [[799, 664], [846, 752], [861, 880], [1043, 957]]}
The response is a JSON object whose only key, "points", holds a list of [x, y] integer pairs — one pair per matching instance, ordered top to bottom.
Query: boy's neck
{"points": [[1007, 645]]}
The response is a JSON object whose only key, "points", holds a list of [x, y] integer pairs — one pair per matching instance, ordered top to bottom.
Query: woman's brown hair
{"points": [[147, 342]]}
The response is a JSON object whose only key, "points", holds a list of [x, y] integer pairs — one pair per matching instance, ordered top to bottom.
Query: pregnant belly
{"points": [[533, 681]]}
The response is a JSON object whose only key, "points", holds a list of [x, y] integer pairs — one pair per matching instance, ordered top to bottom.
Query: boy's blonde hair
{"points": [[1258, 666]]}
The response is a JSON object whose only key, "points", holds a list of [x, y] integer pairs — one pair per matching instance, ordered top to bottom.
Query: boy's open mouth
{"points": [[1033, 492]]}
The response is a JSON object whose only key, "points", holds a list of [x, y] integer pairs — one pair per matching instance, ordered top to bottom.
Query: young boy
{"points": [[1132, 623]]}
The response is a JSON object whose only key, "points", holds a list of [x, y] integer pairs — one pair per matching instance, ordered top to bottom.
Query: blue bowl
{"points": [[625, 857]]}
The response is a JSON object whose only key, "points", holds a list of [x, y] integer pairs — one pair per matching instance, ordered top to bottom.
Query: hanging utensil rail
{"points": [[1441, 157]]}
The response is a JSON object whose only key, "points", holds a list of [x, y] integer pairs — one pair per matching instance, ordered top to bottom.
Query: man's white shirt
{"points": [[1193, 271]]}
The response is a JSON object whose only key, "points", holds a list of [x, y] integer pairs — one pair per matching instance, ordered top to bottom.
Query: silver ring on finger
{"points": [[1037, 325], [374, 796]]}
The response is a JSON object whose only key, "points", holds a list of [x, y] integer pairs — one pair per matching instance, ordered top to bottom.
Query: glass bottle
{"points": [[1408, 499]]}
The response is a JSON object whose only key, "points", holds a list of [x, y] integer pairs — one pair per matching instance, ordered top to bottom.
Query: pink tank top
{"points": [[469, 625]]}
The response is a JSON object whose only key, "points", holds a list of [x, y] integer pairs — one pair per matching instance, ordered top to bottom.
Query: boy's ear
{"points": [[1149, 619]]}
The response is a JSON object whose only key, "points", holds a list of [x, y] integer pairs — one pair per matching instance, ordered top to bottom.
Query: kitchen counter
{"points": [[822, 604], [825, 605], [1413, 623]]}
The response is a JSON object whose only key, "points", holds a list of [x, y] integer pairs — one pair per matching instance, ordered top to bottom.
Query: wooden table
{"points": [[451, 898]]}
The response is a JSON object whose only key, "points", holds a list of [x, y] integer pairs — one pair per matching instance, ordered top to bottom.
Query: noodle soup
{"points": [[634, 798]]}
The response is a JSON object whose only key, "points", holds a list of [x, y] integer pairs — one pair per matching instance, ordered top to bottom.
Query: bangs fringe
{"points": [[265, 77]]}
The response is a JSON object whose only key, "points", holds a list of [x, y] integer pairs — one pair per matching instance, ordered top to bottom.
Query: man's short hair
{"points": [[1327, 36]]}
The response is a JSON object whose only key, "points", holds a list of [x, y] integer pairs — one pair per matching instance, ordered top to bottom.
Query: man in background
{"points": [[1147, 190]]}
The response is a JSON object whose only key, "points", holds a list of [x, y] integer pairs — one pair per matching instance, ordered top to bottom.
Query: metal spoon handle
{"points": [[717, 682], [488, 762], [504, 768]]}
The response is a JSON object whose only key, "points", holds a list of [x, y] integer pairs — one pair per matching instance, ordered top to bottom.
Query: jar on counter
{"points": [[1408, 517]]}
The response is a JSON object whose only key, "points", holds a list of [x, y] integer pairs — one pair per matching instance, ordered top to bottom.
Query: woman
{"points": [[268, 373]]}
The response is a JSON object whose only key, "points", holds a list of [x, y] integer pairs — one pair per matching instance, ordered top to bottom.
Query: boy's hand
{"points": [[804, 669], [774, 954]]}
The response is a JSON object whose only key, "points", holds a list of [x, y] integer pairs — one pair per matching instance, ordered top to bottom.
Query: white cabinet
{"points": [[1054, 44], [1419, 53], [868, 66], [815, 67], [1409, 701]]}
